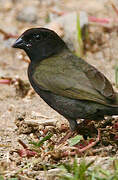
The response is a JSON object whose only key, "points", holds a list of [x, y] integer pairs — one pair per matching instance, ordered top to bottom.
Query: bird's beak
{"points": [[18, 43]]}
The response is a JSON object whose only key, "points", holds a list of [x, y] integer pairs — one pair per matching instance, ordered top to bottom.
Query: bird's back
{"points": [[69, 76]]}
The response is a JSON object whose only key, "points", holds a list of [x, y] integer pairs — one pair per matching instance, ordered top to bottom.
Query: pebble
{"points": [[28, 14]]}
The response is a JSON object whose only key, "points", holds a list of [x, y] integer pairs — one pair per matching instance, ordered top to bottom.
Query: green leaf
{"points": [[79, 37], [75, 140], [42, 141], [115, 162], [104, 172], [1, 178]]}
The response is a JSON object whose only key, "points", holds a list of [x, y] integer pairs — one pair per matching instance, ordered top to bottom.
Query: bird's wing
{"points": [[65, 79], [98, 81]]}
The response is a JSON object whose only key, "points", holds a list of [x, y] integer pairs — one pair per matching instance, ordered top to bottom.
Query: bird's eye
{"points": [[37, 37]]}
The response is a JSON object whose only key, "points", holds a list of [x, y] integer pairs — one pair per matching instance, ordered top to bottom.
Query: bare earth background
{"points": [[16, 102]]}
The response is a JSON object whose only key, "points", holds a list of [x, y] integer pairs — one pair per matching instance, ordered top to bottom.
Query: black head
{"points": [[40, 43]]}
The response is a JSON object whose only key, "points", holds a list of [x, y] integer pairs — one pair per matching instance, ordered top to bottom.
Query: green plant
{"points": [[79, 38], [38, 144], [75, 171], [84, 171]]}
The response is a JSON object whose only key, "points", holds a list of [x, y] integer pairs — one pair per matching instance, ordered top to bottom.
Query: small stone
{"points": [[8, 6], [28, 14]]}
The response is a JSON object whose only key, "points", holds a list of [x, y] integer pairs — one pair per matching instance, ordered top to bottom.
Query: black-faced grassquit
{"points": [[67, 83]]}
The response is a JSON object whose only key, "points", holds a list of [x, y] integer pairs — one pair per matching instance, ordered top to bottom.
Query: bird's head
{"points": [[40, 43]]}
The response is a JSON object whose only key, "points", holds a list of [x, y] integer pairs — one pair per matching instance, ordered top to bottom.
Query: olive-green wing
{"points": [[62, 78], [100, 83]]}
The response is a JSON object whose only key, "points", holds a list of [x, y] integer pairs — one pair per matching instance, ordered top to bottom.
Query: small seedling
{"points": [[79, 38], [40, 143], [75, 171]]}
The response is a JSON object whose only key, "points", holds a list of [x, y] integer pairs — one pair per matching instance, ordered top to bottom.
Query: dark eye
{"points": [[37, 37]]}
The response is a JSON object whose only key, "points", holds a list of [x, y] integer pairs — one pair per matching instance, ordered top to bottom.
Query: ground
{"points": [[23, 114]]}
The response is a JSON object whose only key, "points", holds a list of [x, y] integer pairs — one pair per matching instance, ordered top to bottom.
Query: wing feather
{"points": [[69, 79]]}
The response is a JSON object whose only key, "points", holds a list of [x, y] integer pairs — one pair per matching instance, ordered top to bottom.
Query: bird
{"points": [[66, 82]]}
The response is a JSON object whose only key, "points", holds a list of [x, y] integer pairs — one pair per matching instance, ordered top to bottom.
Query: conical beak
{"points": [[18, 43]]}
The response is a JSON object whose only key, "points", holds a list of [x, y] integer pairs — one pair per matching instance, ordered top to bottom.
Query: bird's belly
{"points": [[69, 108], [74, 109], [77, 109]]}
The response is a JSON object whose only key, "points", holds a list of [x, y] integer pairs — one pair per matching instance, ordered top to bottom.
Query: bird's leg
{"points": [[73, 124]]}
